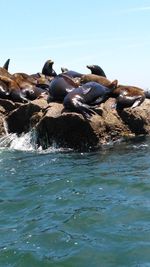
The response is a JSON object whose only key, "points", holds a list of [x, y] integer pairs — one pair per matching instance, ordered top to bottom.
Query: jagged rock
{"points": [[18, 120], [66, 129], [70, 129]]}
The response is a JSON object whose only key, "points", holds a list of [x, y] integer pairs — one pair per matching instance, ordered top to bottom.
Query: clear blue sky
{"points": [[114, 34]]}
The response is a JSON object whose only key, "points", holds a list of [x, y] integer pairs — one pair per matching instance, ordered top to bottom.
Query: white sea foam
{"points": [[24, 142]]}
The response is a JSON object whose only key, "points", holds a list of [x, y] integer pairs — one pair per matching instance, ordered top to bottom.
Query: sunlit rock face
{"points": [[69, 129]]}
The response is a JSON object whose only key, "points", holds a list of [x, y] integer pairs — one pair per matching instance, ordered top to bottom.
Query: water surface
{"points": [[65, 209]]}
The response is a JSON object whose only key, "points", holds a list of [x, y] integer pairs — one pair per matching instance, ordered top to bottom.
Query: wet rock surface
{"points": [[69, 129]]}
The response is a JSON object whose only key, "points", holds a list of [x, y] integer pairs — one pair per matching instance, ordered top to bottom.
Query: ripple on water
{"points": [[61, 208]]}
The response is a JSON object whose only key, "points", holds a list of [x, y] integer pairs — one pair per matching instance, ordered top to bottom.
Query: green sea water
{"points": [[66, 209]]}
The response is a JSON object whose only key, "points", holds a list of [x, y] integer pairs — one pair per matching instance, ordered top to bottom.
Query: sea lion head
{"points": [[48, 68], [95, 69]]}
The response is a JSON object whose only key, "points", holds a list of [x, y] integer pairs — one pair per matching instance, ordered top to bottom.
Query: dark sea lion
{"points": [[6, 65], [48, 69], [97, 70], [73, 74], [95, 78], [60, 86], [4, 91], [32, 92], [147, 93], [128, 96], [85, 98]]}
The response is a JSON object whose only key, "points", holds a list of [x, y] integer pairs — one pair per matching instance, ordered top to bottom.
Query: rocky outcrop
{"points": [[69, 129]]}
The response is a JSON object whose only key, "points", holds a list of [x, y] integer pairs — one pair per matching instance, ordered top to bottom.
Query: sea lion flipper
{"points": [[6, 65], [68, 79], [68, 90], [99, 100], [137, 103]]}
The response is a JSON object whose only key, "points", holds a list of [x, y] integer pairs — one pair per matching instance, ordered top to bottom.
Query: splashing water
{"points": [[24, 142], [28, 142]]}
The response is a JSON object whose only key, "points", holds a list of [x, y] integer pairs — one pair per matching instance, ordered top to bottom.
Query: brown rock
{"points": [[19, 120], [66, 129], [70, 129]]}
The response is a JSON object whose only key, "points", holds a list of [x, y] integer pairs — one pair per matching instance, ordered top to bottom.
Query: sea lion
{"points": [[48, 69], [97, 70], [4, 72], [73, 74], [21, 76], [95, 78], [43, 81], [30, 86], [60, 86], [13, 90], [32, 92], [147, 93], [128, 96], [85, 98]]}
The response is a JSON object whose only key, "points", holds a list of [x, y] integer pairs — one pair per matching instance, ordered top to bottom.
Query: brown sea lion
{"points": [[4, 72], [22, 77], [95, 78], [41, 80], [29, 86], [13, 90], [128, 96]]}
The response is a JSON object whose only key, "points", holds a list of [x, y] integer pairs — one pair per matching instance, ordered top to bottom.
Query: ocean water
{"points": [[61, 208]]}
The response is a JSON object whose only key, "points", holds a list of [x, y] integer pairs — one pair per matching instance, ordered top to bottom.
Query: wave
{"points": [[28, 142]]}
